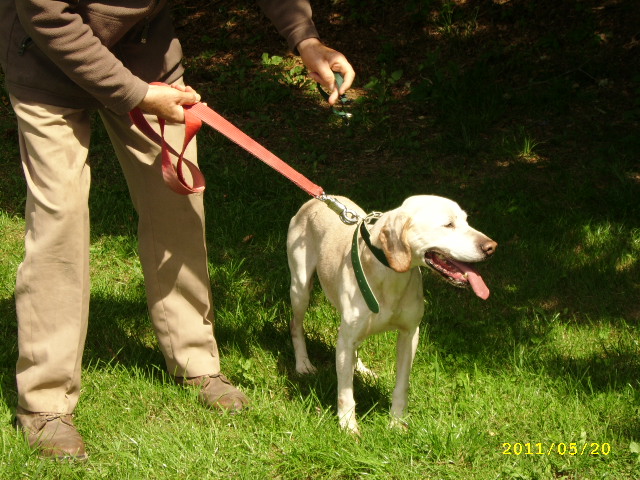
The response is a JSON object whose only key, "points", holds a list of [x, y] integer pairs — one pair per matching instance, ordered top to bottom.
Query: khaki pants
{"points": [[52, 287]]}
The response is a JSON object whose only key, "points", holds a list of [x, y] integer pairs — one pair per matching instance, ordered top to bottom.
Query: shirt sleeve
{"points": [[292, 18], [60, 32]]}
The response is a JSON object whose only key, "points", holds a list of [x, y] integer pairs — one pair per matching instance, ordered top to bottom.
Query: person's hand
{"points": [[321, 61], [165, 101]]}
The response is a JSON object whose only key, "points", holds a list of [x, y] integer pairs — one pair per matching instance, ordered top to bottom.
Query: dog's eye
{"points": [[449, 225]]}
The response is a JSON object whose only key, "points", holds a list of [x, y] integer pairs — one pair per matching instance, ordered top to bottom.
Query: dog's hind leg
{"points": [[302, 264]]}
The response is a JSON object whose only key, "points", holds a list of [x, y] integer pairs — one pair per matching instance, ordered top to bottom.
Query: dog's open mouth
{"points": [[457, 273]]}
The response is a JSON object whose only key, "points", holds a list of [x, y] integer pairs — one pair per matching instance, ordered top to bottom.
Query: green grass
{"points": [[498, 107]]}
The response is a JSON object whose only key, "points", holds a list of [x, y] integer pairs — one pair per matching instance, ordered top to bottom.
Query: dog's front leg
{"points": [[406, 351], [345, 364]]}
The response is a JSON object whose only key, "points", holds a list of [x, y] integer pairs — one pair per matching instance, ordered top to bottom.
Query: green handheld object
{"points": [[343, 97]]}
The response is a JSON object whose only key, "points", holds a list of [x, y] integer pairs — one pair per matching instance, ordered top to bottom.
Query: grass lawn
{"points": [[525, 113]]}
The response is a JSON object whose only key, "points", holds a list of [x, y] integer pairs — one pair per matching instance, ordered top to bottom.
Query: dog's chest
{"points": [[401, 300]]}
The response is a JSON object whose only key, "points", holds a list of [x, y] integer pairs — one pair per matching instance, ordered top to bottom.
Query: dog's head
{"points": [[432, 231]]}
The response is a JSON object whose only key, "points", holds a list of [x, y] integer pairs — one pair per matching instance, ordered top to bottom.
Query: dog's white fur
{"points": [[319, 242]]}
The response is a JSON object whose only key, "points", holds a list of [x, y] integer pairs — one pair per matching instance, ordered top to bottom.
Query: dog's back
{"points": [[316, 231]]}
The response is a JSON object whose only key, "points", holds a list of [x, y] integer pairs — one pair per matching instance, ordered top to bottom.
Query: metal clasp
{"points": [[348, 216]]}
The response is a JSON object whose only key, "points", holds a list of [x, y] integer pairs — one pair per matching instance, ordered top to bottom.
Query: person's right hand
{"points": [[321, 62], [165, 101]]}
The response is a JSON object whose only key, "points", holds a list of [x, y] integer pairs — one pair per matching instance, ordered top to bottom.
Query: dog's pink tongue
{"points": [[475, 280]]}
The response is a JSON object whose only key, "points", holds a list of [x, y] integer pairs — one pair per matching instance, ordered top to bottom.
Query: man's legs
{"points": [[171, 233], [172, 251], [52, 286]]}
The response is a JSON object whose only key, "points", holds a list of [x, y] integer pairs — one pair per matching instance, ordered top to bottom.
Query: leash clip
{"points": [[348, 216]]}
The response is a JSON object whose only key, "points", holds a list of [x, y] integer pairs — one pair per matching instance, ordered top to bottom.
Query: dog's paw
{"points": [[305, 367], [362, 369], [347, 418], [398, 424], [351, 427]]}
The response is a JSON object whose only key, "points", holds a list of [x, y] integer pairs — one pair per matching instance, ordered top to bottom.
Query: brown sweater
{"points": [[83, 54]]}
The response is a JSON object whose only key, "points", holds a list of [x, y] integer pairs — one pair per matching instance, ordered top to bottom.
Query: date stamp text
{"points": [[553, 448]]}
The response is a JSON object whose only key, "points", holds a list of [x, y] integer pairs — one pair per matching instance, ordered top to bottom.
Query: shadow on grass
{"points": [[120, 331], [274, 337], [8, 352], [8, 355]]}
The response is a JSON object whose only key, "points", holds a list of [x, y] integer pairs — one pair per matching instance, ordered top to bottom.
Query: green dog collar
{"points": [[361, 278]]}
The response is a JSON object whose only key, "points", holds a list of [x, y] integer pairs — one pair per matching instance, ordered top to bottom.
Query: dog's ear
{"points": [[393, 238]]}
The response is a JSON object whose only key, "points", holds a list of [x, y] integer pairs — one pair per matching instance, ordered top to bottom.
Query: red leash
{"points": [[194, 116]]}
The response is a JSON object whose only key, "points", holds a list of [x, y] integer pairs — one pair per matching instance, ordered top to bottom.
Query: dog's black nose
{"points": [[489, 247]]}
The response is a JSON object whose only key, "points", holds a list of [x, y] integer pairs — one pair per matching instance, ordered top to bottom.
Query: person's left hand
{"points": [[321, 61], [166, 101]]}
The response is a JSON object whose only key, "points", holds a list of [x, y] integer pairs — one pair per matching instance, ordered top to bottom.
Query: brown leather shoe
{"points": [[217, 391], [53, 434]]}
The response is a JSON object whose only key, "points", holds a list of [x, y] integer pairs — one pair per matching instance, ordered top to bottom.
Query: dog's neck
{"points": [[377, 251]]}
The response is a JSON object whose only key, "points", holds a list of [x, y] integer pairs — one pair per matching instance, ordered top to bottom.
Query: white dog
{"points": [[424, 231]]}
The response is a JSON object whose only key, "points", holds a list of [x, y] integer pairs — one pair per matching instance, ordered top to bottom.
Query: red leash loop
{"points": [[194, 116], [174, 175]]}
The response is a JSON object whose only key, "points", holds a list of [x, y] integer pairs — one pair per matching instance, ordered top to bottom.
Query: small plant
{"points": [[446, 17], [451, 23], [287, 70], [381, 87], [521, 146], [527, 147], [246, 368]]}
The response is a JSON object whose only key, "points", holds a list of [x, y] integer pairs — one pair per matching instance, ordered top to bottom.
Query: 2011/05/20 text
{"points": [[540, 448]]}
